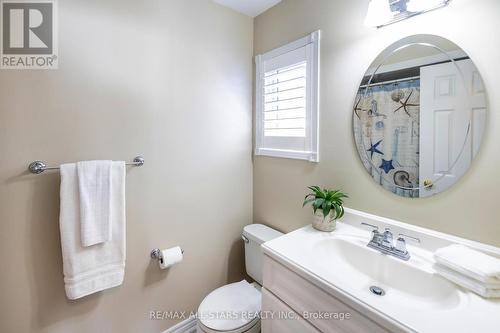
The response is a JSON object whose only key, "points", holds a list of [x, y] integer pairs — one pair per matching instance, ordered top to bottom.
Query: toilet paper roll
{"points": [[170, 257]]}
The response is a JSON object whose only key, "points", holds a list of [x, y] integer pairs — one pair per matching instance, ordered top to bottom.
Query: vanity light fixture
{"points": [[420, 6], [384, 12], [379, 13]]}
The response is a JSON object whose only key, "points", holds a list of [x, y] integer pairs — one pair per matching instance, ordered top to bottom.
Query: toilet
{"points": [[235, 307]]}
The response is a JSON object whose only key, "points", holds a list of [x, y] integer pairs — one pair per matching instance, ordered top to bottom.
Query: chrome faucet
{"points": [[387, 238], [383, 242]]}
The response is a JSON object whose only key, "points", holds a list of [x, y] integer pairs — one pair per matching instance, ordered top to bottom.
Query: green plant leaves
{"points": [[314, 188], [307, 201], [329, 201], [317, 204], [327, 206]]}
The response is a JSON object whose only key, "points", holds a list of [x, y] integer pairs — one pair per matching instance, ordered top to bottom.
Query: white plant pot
{"points": [[323, 223]]}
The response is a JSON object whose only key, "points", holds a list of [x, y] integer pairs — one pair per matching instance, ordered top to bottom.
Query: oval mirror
{"points": [[419, 116]]}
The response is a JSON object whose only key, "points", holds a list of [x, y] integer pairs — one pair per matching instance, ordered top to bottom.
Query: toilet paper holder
{"points": [[156, 254]]}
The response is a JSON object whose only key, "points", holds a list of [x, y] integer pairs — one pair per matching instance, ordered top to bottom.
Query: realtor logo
{"points": [[28, 34]]}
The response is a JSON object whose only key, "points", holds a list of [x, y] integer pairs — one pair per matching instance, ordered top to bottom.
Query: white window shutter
{"points": [[287, 100]]}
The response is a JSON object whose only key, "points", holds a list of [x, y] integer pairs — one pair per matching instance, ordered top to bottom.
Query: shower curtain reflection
{"points": [[388, 140]]}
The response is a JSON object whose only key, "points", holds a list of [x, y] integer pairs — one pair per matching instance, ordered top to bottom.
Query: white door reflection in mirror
{"points": [[446, 148]]}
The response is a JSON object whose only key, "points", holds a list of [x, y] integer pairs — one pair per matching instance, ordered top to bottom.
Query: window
{"points": [[287, 96]]}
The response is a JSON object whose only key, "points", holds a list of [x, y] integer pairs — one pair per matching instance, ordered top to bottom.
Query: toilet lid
{"points": [[230, 307]]}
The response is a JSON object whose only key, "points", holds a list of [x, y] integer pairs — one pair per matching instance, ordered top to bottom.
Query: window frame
{"points": [[312, 99]]}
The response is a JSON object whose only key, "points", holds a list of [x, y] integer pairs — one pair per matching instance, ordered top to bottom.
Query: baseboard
{"points": [[185, 326]]}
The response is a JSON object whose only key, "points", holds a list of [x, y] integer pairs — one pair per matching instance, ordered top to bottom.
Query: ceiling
{"points": [[249, 7]]}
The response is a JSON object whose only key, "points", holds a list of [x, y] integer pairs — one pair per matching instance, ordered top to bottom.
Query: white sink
{"points": [[354, 263], [416, 298]]}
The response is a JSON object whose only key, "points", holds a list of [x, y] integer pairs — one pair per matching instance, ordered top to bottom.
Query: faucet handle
{"points": [[376, 236], [403, 237], [387, 238], [401, 243]]}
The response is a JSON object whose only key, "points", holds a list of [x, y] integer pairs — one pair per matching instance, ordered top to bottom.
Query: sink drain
{"points": [[377, 291]]}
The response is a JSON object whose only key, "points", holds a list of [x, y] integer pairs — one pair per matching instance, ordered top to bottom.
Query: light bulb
{"points": [[379, 13]]}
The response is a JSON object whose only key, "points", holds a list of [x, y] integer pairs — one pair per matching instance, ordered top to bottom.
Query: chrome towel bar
{"points": [[37, 167]]}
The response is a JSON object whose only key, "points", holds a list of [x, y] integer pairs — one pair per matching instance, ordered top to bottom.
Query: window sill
{"points": [[292, 154]]}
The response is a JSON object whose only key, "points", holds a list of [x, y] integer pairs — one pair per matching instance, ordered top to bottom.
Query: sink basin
{"points": [[351, 261], [409, 296]]}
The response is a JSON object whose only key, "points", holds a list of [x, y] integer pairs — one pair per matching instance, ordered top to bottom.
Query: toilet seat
{"points": [[231, 308]]}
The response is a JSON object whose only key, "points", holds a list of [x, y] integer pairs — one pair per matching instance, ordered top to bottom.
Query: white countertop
{"points": [[417, 298]]}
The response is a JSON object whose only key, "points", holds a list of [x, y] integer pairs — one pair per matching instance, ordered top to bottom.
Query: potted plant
{"points": [[327, 207]]}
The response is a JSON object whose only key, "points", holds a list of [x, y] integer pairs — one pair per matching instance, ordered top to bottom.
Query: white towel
{"points": [[94, 184], [469, 262], [91, 269], [478, 287]]}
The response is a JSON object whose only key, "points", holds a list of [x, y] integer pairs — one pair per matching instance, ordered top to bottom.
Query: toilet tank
{"points": [[254, 236]]}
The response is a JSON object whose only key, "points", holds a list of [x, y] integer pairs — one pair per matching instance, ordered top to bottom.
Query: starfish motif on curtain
{"points": [[404, 105], [357, 108], [373, 149], [386, 165]]}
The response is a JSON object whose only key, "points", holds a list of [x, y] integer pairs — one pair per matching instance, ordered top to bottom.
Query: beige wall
{"points": [[170, 79], [471, 208]]}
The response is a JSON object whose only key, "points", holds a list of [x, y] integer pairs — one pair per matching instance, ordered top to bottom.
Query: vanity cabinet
{"points": [[318, 311], [278, 317]]}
